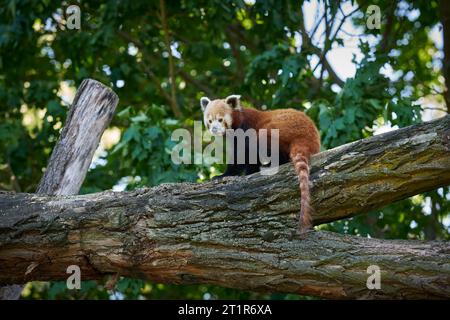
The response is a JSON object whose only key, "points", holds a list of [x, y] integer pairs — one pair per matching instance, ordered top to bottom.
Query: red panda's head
{"points": [[218, 114]]}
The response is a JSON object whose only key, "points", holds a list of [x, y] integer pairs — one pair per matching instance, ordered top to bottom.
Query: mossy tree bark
{"points": [[91, 112], [240, 232]]}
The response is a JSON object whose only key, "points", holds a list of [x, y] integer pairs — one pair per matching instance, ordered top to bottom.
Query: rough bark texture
{"points": [[91, 112], [89, 115], [373, 172], [241, 232]]}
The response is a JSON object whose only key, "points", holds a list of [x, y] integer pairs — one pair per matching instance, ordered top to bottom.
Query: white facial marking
{"points": [[228, 120], [217, 128]]}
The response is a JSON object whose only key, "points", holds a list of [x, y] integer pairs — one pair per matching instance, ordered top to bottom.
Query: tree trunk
{"points": [[92, 110], [90, 114], [240, 232]]}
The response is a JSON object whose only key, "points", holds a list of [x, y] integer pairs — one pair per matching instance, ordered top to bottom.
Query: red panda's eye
{"points": [[210, 120], [220, 120]]}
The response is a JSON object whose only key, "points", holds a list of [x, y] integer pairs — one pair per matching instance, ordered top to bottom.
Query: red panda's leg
{"points": [[300, 158]]}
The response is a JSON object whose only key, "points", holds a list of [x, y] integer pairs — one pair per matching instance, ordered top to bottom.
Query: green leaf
{"points": [[140, 118]]}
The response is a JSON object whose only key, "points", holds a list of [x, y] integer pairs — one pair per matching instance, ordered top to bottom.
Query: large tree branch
{"points": [[91, 112], [240, 232]]}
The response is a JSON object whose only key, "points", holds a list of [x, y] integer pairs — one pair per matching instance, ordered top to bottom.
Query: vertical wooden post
{"points": [[92, 110]]}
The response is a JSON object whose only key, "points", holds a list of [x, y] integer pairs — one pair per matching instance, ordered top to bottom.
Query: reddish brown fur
{"points": [[298, 138]]}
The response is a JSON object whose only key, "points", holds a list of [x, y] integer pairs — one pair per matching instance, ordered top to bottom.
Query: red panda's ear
{"points": [[234, 101], [204, 102]]}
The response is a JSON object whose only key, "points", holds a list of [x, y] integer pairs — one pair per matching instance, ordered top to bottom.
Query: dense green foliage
{"points": [[219, 47]]}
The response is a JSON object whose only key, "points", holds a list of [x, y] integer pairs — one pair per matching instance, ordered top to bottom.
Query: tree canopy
{"points": [[161, 56]]}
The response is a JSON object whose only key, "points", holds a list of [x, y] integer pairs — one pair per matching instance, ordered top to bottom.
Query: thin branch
{"points": [[345, 17], [314, 29], [352, 34], [387, 34], [125, 35], [306, 41], [329, 43], [234, 45], [146, 61], [187, 77], [157, 83], [174, 103]]}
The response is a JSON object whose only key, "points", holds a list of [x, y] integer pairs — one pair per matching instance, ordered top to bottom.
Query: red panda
{"points": [[298, 139]]}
